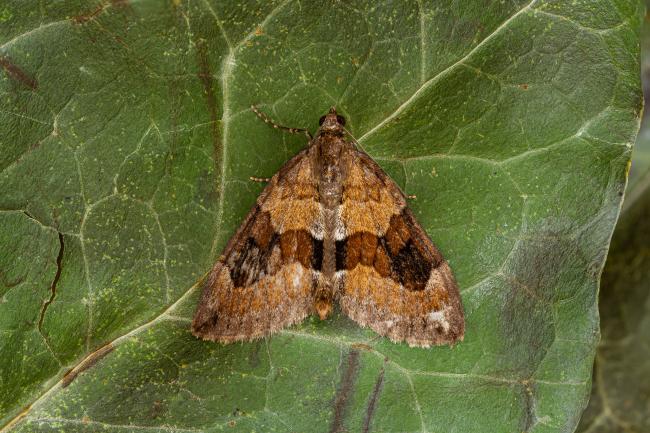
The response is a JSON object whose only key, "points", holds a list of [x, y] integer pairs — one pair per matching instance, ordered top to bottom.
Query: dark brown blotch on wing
{"points": [[301, 246], [358, 248], [400, 254], [255, 259], [252, 261], [410, 267]]}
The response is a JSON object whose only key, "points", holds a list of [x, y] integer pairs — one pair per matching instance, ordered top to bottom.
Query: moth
{"points": [[331, 227]]}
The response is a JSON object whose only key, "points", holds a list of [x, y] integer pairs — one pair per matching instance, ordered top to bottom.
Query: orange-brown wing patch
{"points": [[264, 280]]}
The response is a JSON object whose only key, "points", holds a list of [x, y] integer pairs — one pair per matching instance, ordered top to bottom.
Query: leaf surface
{"points": [[127, 144], [619, 397]]}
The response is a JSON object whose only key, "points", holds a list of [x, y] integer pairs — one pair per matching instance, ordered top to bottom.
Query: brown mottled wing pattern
{"points": [[391, 277], [265, 278]]}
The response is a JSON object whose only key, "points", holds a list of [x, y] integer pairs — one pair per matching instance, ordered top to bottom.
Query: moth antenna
{"points": [[270, 121]]}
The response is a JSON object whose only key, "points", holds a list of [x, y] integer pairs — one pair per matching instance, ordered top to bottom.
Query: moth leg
{"points": [[269, 121], [259, 179]]}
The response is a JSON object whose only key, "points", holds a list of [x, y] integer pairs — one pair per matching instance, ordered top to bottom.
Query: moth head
{"points": [[332, 122]]}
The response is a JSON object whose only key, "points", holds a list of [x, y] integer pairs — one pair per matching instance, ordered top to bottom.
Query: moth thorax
{"points": [[331, 148]]}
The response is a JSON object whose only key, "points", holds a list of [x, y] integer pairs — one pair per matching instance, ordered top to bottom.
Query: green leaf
{"points": [[127, 143], [619, 398]]}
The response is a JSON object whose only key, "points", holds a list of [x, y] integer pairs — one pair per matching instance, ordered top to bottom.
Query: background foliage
{"points": [[127, 143]]}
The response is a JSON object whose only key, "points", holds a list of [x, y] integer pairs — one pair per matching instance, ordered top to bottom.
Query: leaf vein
{"points": [[446, 71]]}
